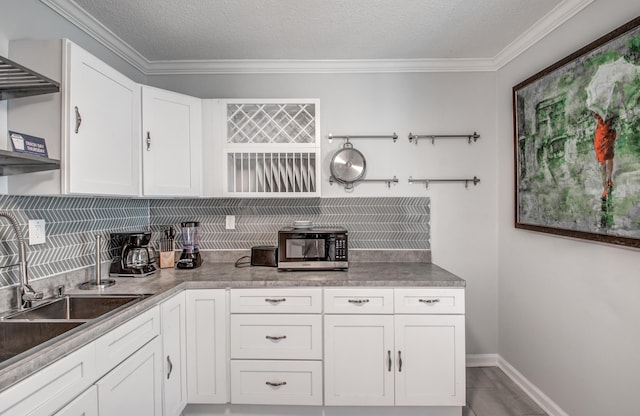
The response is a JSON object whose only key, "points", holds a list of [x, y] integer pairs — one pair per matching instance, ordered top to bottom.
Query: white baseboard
{"points": [[482, 360], [495, 360], [541, 399]]}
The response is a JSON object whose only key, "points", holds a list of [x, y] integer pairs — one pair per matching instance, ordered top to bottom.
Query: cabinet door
{"points": [[172, 143], [102, 155], [206, 346], [431, 348], [358, 360], [174, 363], [133, 387], [84, 405]]}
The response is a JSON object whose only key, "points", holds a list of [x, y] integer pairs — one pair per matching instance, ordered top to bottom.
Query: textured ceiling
{"points": [[317, 29]]}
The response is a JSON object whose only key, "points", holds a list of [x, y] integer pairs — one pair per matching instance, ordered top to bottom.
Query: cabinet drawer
{"points": [[276, 300], [358, 300], [430, 301], [276, 336], [118, 344], [276, 382], [52, 387], [84, 405]]}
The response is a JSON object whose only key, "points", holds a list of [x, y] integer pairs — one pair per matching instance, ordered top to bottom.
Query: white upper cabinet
{"points": [[92, 125], [171, 143], [271, 147], [100, 151]]}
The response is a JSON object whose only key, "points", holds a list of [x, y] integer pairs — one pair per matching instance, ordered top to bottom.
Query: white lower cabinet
{"points": [[206, 327], [285, 337], [116, 345], [276, 346], [331, 347], [174, 354], [359, 358], [401, 360], [430, 360], [276, 382], [135, 386], [52, 387], [84, 405]]}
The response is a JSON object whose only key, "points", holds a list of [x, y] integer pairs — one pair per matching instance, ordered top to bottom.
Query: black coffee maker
{"points": [[132, 255]]}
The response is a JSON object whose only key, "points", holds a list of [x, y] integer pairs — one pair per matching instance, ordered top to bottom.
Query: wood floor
{"points": [[491, 393]]}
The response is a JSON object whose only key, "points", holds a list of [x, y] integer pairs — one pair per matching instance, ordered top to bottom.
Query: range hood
{"points": [[17, 81], [13, 163]]}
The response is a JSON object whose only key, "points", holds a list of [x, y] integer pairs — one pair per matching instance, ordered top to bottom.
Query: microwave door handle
{"points": [[332, 250]]}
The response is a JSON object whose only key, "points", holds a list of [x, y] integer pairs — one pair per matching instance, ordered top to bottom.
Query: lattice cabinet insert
{"points": [[272, 147]]}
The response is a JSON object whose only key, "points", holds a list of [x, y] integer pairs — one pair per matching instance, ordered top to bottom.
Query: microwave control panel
{"points": [[341, 247]]}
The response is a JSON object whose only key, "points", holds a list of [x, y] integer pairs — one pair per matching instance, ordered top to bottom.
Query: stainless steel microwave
{"points": [[313, 249]]}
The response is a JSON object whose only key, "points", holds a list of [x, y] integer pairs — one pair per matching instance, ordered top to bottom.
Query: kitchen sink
{"points": [[80, 307], [19, 336]]}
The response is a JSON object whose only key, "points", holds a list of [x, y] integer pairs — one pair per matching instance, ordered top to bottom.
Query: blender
{"points": [[190, 257]]}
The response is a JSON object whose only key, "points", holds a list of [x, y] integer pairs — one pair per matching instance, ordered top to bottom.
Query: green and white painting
{"points": [[577, 143]]}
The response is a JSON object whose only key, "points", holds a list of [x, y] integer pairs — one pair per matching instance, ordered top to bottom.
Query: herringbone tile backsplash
{"points": [[72, 223], [373, 223], [71, 226]]}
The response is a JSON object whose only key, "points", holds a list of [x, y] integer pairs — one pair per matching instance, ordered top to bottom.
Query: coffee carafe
{"points": [[132, 255], [137, 257], [190, 257]]}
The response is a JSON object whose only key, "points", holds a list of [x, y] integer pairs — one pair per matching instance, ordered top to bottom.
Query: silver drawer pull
{"points": [[279, 300], [429, 300], [358, 301], [276, 338], [276, 383]]}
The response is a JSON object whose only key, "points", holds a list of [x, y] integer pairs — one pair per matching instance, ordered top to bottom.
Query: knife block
{"points": [[167, 254]]}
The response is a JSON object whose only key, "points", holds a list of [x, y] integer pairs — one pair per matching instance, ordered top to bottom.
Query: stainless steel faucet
{"points": [[26, 294]]}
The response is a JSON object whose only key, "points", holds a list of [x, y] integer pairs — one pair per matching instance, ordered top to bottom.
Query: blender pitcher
{"points": [[190, 257]]}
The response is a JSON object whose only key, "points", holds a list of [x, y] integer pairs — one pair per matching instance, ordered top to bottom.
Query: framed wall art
{"points": [[577, 143]]}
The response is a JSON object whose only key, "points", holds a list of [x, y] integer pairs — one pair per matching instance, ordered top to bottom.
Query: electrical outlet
{"points": [[231, 222], [36, 232]]}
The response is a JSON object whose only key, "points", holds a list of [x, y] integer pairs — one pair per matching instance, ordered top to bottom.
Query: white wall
{"points": [[463, 224], [569, 311]]}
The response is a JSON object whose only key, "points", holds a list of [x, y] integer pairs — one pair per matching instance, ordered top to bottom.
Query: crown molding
{"points": [[87, 23], [547, 24], [354, 66]]}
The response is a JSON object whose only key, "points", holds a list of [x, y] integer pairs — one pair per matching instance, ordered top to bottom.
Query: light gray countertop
{"points": [[167, 282]]}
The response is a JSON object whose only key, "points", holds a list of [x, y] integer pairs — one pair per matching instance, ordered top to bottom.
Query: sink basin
{"points": [[77, 307], [19, 336]]}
